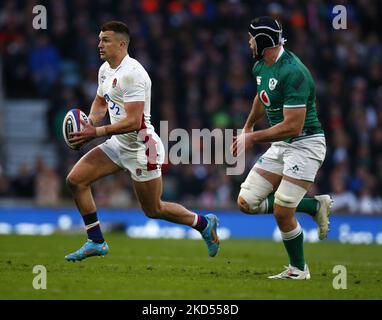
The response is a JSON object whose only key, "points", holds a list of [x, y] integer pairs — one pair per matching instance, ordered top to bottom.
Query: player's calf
{"points": [[153, 212], [285, 218]]}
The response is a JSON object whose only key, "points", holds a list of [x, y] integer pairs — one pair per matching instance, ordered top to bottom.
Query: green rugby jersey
{"points": [[287, 84]]}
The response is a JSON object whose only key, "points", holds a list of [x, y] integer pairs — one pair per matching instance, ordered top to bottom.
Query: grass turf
{"points": [[181, 269]]}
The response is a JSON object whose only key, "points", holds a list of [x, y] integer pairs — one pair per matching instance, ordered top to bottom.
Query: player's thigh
{"points": [[302, 159], [92, 166], [269, 167], [272, 177], [298, 182], [259, 183], [149, 193], [287, 197]]}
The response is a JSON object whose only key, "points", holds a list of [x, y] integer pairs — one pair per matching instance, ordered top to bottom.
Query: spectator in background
{"points": [[198, 59], [44, 64], [4, 184], [23, 185], [48, 187], [120, 195], [343, 199], [368, 204]]}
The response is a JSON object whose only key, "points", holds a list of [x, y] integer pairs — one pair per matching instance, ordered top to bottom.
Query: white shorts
{"points": [[300, 159], [143, 160]]}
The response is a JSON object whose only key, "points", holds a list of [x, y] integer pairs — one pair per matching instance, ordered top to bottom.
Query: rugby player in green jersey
{"points": [[281, 177]]}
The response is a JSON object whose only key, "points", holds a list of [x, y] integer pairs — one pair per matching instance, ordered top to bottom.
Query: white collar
{"points": [[280, 53], [122, 61]]}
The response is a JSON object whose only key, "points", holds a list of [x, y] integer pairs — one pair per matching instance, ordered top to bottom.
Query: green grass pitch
{"points": [[181, 269]]}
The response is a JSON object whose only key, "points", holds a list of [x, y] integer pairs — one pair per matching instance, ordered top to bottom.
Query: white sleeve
{"points": [[133, 87]]}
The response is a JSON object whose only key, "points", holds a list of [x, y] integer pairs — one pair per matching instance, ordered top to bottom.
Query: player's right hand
{"points": [[81, 138], [241, 143]]}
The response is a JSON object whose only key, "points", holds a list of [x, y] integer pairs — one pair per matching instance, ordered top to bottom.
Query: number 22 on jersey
{"points": [[112, 105]]}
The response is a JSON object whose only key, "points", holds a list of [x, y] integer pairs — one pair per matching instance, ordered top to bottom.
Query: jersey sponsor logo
{"points": [[258, 80], [114, 83], [272, 83], [264, 98]]}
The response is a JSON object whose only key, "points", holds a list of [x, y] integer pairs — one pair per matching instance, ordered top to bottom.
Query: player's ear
{"points": [[123, 43]]}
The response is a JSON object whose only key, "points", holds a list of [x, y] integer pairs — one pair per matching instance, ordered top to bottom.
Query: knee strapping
{"points": [[254, 191], [289, 194]]}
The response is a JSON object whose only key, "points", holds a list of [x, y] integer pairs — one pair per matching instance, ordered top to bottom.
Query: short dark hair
{"points": [[117, 27]]}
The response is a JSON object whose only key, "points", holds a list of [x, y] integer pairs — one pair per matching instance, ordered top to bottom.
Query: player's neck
{"points": [[271, 55], [116, 61]]}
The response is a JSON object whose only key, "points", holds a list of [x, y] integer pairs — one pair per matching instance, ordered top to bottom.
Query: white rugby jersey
{"points": [[127, 83]]}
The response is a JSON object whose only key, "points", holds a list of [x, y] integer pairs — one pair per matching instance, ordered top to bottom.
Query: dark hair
{"points": [[117, 27]]}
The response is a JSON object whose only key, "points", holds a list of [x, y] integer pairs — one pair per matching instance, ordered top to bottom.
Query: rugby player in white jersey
{"points": [[124, 90]]}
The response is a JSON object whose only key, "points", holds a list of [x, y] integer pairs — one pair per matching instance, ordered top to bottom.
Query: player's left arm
{"points": [[133, 86], [296, 89], [133, 91], [295, 92], [132, 122], [290, 127]]}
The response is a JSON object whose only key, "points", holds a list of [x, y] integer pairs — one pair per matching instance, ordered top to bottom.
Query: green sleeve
{"points": [[255, 69], [296, 89]]}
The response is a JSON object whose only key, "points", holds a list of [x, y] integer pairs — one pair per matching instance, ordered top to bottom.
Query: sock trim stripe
{"points": [[195, 220], [92, 225], [290, 235]]}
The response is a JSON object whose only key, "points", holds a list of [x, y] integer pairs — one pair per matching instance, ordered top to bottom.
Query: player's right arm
{"points": [[99, 106], [98, 110], [257, 112]]}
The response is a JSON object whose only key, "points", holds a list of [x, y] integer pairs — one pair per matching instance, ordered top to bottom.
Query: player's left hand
{"points": [[83, 137], [241, 143]]}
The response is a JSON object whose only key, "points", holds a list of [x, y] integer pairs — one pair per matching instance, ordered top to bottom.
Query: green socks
{"points": [[307, 205], [294, 245]]}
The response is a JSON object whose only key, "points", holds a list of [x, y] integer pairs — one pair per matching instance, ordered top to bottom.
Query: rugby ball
{"points": [[72, 123]]}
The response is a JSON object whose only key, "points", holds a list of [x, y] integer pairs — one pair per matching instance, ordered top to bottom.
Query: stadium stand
{"points": [[197, 55]]}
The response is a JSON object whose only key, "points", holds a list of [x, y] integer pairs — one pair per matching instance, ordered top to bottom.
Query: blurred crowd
{"points": [[196, 53]]}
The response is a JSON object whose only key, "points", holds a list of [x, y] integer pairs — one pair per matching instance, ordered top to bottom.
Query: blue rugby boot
{"points": [[210, 236], [89, 249]]}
